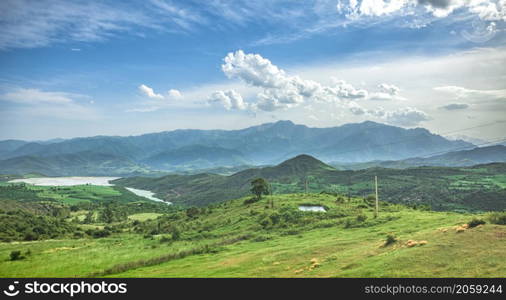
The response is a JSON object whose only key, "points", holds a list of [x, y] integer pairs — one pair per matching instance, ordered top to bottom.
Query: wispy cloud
{"points": [[30, 24], [473, 95], [60, 105]]}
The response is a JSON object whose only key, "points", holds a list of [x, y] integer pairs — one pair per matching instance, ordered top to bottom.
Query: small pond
{"points": [[317, 208]]}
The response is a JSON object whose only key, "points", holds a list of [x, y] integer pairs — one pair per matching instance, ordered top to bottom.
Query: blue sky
{"points": [[84, 68]]}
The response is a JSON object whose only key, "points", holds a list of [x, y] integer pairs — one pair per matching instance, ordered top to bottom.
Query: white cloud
{"points": [[357, 11], [31, 24], [389, 89], [279, 90], [149, 92], [387, 92], [174, 94], [472, 95], [34, 96], [230, 99], [60, 105], [455, 106], [407, 116]]}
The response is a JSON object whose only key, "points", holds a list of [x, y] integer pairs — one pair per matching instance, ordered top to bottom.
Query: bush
{"points": [[251, 200], [361, 218], [498, 218], [475, 222], [97, 233], [31, 236], [165, 239], [391, 239], [16, 255]]}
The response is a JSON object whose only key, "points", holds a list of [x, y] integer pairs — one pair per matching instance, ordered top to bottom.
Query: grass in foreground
{"points": [[234, 239]]}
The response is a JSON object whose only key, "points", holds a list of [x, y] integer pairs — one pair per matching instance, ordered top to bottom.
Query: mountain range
{"points": [[188, 149], [476, 156]]}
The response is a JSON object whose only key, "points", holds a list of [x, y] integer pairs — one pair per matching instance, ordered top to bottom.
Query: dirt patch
{"points": [[61, 249]]}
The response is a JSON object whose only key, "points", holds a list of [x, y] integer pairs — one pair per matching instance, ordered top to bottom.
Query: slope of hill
{"points": [[269, 143], [9, 146], [195, 157], [82, 163], [481, 187], [238, 239]]}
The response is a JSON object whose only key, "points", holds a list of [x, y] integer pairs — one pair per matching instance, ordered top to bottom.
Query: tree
{"points": [[259, 187], [108, 214], [88, 219]]}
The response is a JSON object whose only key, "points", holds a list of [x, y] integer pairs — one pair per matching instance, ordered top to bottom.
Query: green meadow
{"points": [[270, 238]]}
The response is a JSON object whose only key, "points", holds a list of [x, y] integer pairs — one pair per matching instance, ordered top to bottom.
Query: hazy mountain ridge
{"points": [[271, 143], [463, 158]]}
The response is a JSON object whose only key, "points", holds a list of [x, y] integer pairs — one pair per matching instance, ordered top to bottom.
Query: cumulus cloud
{"points": [[490, 10], [389, 89], [279, 90], [149, 92], [386, 92], [171, 94], [174, 94], [230, 99], [455, 106], [407, 116]]}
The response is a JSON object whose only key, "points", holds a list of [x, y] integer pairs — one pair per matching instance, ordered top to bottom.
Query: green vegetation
{"points": [[259, 187], [479, 188], [497, 218], [238, 239]]}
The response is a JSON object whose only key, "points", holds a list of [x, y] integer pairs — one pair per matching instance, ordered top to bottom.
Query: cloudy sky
{"points": [[84, 68]]}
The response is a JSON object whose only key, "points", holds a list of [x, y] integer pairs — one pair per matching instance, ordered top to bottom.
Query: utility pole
{"points": [[306, 185], [377, 202]]}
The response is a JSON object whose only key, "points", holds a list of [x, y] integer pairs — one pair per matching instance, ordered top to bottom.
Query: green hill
{"points": [[481, 187], [234, 239]]}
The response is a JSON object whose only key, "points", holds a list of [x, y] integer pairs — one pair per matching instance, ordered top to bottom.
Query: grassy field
{"points": [[144, 216], [234, 239]]}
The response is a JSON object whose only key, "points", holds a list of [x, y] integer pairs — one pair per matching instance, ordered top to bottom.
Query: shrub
{"points": [[251, 200], [361, 218], [498, 218], [475, 222], [97, 233], [31, 236], [261, 238], [165, 239], [391, 239], [16, 255]]}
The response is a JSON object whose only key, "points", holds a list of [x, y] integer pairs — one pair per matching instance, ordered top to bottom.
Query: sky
{"points": [[86, 68]]}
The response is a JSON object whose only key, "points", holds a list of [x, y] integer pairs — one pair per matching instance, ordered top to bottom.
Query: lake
{"points": [[79, 180], [67, 181]]}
